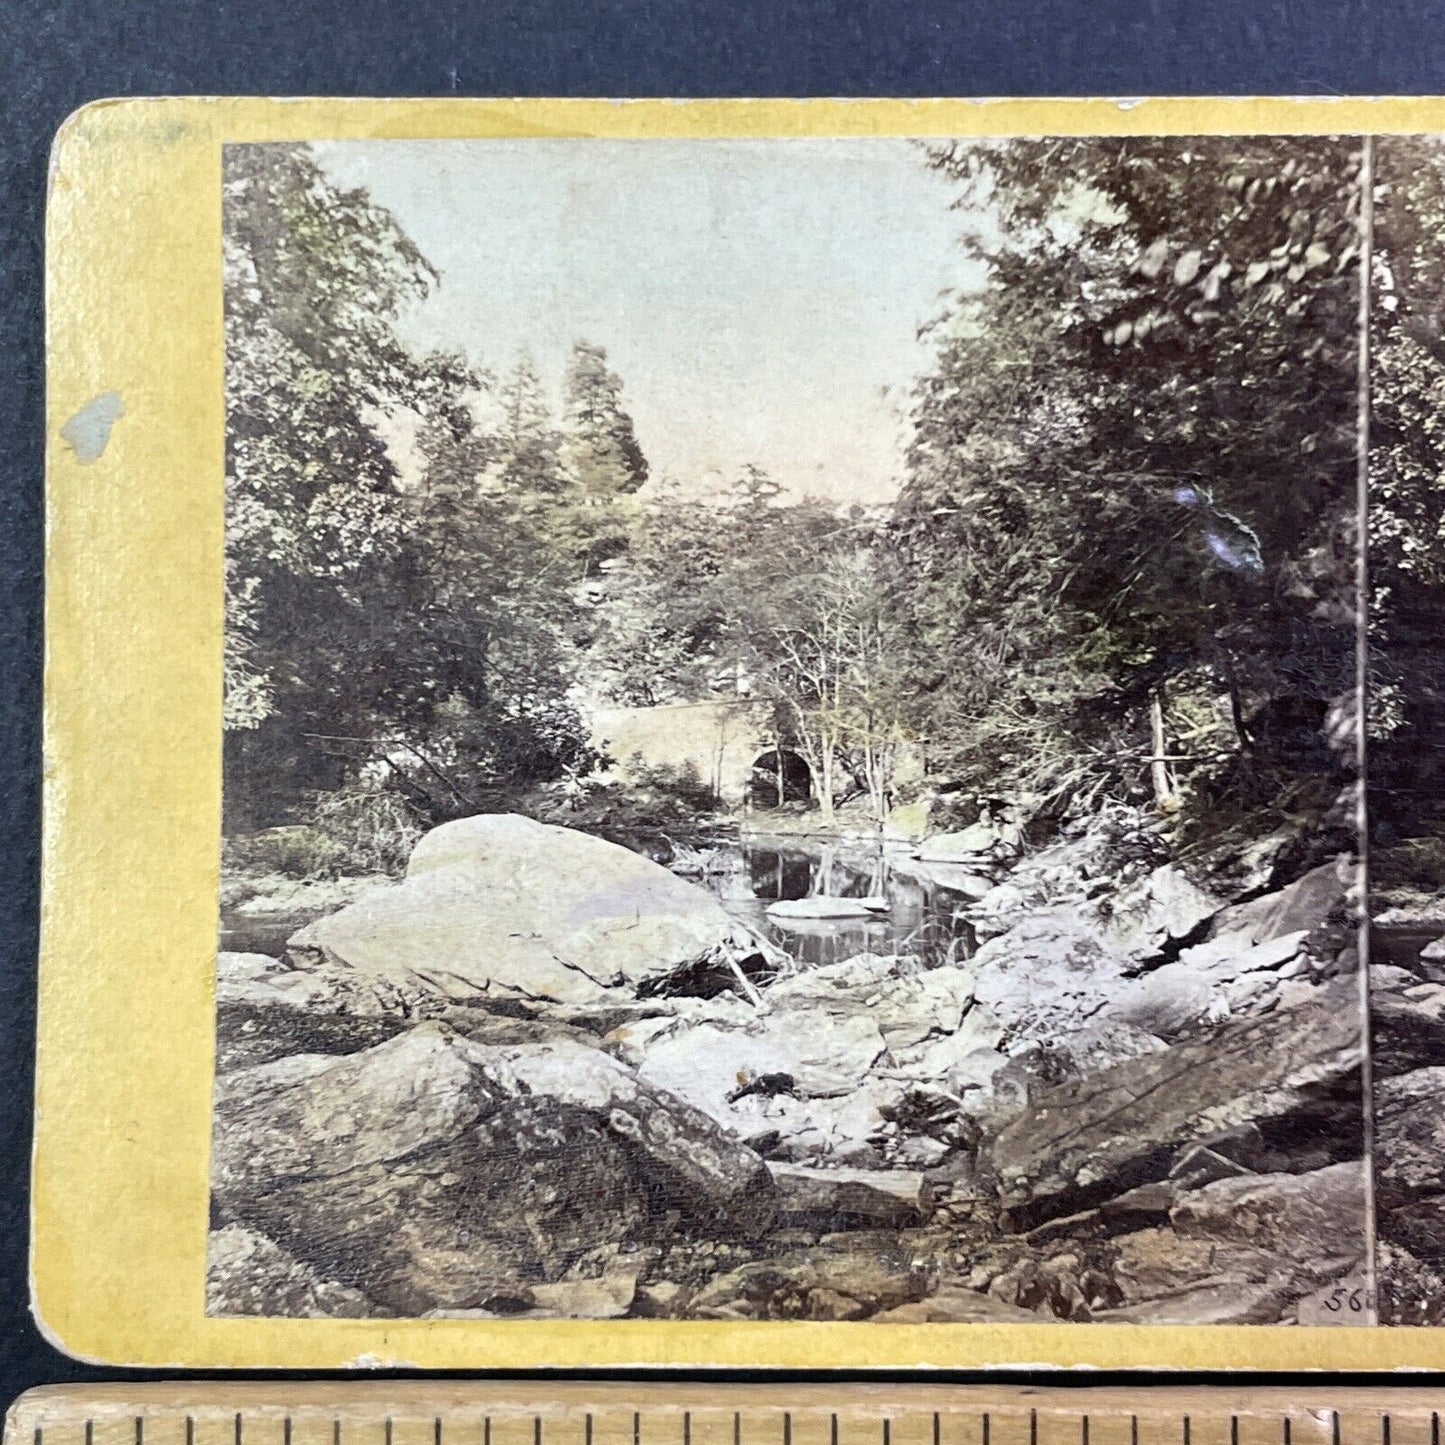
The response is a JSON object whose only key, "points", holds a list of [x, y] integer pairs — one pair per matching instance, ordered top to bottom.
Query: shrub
{"points": [[372, 828], [357, 829], [296, 850]]}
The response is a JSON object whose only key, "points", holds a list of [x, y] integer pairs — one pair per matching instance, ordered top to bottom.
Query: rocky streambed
{"points": [[543, 1076]]}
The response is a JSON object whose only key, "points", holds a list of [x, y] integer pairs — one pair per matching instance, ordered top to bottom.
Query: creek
{"points": [[922, 917]]}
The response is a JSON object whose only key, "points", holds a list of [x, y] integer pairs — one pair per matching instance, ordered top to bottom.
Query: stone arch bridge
{"points": [[719, 742], [729, 746]]}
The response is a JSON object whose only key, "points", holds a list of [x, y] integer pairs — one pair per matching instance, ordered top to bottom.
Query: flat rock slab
{"points": [[1307, 903], [811, 908], [1407, 1026], [807, 1053], [1091, 1139], [1410, 1161], [875, 1198], [1300, 1216], [848, 1282], [958, 1306]]}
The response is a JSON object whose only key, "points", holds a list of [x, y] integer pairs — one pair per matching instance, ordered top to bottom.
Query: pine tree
{"points": [[600, 448]]}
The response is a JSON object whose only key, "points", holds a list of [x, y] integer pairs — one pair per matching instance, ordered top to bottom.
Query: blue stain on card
{"points": [[88, 431]]}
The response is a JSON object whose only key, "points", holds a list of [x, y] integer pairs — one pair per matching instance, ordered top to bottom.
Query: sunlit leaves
{"points": [[1189, 332]]}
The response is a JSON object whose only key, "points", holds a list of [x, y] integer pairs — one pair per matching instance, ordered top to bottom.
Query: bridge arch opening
{"points": [[779, 777]]}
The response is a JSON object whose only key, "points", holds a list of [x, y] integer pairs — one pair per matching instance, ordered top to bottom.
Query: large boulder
{"points": [[979, 841], [1319, 896], [501, 906], [1162, 908], [1048, 975], [1224, 976], [257, 980], [908, 1005], [1407, 1024], [250, 1034], [805, 1053], [824, 1071], [1089, 1140], [682, 1155], [1410, 1161], [435, 1173], [836, 1199], [1310, 1218], [248, 1274], [1170, 1279]]}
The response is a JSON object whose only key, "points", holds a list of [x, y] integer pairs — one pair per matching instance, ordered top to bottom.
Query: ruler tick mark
{"points": [[240, 1427], [636, 1427], [687, 1427], [788, 1428], [985, 1428], [1034, 1428], [1335, 1428], [1385, 1428], [738, 1429], [937, 1429], [1084, 1429], [436, 1430], [537, 1430], [587, 1430], [833, 1430], [1133, 1430], [1186, 1430], [1234, 1430], [1286, 1430], [286, 1431], [336, 1431], [887, 1431]]}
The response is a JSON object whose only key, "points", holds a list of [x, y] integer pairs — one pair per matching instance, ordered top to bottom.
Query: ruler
{"points": [[540, 1413]]}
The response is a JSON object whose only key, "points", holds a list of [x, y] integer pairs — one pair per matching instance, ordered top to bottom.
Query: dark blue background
{"points": [[55, 57]]}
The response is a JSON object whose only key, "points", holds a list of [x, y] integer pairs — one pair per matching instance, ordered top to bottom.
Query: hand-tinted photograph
{"points": [[793, 735]]}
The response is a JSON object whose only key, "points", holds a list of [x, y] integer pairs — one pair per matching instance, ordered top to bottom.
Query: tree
{"points": [[528, 447], [600, 449], [601, 456], [1132, 471], [1407, 488], [373, 619], [826, 650]]}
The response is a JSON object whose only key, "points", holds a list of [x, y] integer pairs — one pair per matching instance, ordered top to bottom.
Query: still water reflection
{"points": [[922, 918]]}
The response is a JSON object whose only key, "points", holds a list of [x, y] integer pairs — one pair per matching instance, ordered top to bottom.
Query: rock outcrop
{"points": [[498, 906], [543, 1077], [1093, 1139], [436, 1173]]}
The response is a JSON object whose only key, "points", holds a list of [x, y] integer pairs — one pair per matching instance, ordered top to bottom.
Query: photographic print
{"points": [[1406, 673], [792, 746]]}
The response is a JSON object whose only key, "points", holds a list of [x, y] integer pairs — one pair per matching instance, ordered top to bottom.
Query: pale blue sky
{"points": [[759, 298]]}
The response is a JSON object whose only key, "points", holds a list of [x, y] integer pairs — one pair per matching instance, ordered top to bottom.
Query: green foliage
{"points": [[600, 449], [1134, 458], [1407, 497], [1128, 506], [415, 622], [371, 828], [356, 830], [294, 850]]}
